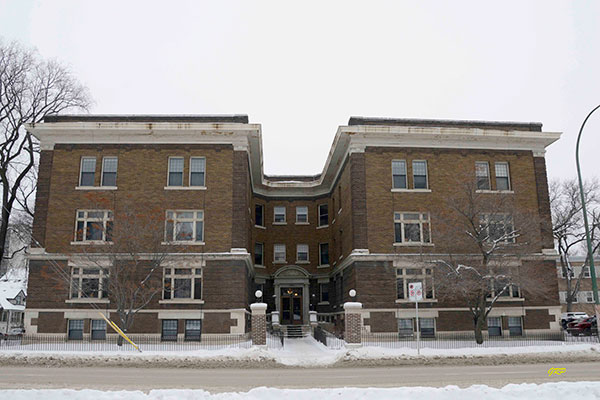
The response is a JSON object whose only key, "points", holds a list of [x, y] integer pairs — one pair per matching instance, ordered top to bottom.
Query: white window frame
{"points": [[81, 170], [116, 171], [169, 171], [190, 173], [426, 174], [405, 175], [507, 175], [488, 176], [262, 206], [275, 208], [298, 214], [320, 214], [107, 216], [171, 217], [399, 218], [485, 220], [262, 245], [280, 246], [298, 248], [328, 254], [78, 272], [171, 273], [415, 274], [321, 286], [92, 330]]}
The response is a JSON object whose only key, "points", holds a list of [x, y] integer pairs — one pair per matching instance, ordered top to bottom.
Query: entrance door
{"points": [[291, 306]]}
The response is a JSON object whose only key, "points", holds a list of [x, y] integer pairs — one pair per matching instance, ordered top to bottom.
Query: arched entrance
{"points": [[292, 295]]}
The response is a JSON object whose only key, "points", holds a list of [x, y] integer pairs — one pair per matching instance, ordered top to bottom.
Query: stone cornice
{"points": [[247, 137]]}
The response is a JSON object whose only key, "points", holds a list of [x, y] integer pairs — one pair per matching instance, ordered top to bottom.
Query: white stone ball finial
{"points": [[352, 293], [258, 294]]}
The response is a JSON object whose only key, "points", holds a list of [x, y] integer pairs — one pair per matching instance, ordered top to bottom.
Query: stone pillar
{"points": [[312, 318], [275, 319], [259, 324], [353, 324]]}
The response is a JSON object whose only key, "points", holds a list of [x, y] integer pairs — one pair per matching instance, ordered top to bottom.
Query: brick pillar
{"points": [[259, 324], [353, 324]]}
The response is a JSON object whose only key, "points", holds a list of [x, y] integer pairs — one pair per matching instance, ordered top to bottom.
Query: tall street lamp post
{"points": [[585, 222]]}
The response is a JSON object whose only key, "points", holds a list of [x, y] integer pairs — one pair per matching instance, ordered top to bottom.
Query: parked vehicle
{"points": [[568, 317], [585, 327]]}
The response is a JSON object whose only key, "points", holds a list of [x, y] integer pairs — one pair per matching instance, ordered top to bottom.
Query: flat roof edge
{"points": [[183, 118], [501, 125]]}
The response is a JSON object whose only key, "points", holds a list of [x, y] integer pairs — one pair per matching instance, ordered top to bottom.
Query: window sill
{"points": [[185, 187], [95, 188], [411, 190], [495, 191], [279, 223], [302, 223], [322, 226], [260, 227], [92, 243], [182, 243], [414, 244], [279, 262], [302, 262], [259, 266], [323, 266], [508, 299], [86, 301], [181, 301], [406, 301], [323, 303]]}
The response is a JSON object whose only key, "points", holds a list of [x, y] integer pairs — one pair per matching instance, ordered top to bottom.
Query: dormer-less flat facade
{"points": [[304, 241]]}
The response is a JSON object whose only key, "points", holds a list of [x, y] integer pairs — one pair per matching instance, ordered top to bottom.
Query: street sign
{"points": [[415, 291]]}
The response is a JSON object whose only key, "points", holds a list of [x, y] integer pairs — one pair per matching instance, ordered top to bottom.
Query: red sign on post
{"points": [[415, 291]]}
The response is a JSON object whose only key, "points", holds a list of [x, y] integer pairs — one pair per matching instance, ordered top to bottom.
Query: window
{"points": [[88, 170], [109, 171], [175, 171], [197, 171], [399, 174], [419, 174], [482, 174], [502, 176], [279, 214], [301, 214], [323, 215], [259, 217], [94, 226], [185, 226], [497, 227], [412, 228], [302, 252], [279, 253], [323, 253], [259, 254], [586, 272], [564, 275], [405, 276], [89, 283], [182, 283], [510, 290], [324, 292], [589, 297], [3, 316], [16, 317], [494, 326], [514, 326], [405, 327], [427, 327], [75, 329], [98, 329], [169, 330], [193, 330]]}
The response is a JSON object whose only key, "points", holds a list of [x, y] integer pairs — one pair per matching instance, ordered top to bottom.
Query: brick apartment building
{"points": [[304, 240]]}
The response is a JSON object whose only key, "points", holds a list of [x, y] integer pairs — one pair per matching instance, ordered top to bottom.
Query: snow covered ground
{"points": [[304, 352], [547, 391]]}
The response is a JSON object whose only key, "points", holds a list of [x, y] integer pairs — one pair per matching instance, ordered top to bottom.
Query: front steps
{"points": [[296, 331]]}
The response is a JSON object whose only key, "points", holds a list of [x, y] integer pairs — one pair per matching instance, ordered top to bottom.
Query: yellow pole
{"points": [[119, 331]]}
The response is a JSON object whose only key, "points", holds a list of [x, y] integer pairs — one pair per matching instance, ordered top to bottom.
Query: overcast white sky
{"points": [[301, 69]]}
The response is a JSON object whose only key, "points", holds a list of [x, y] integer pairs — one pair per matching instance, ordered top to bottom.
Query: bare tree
{"points": [[30, 89], [568, 229], [482, 239]]}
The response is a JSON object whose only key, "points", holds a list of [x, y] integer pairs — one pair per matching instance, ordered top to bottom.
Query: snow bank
{"points": [[547, 391]]}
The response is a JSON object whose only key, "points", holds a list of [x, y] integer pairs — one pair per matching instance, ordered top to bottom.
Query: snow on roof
{"points": [[11, 285], [7, 305]]}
